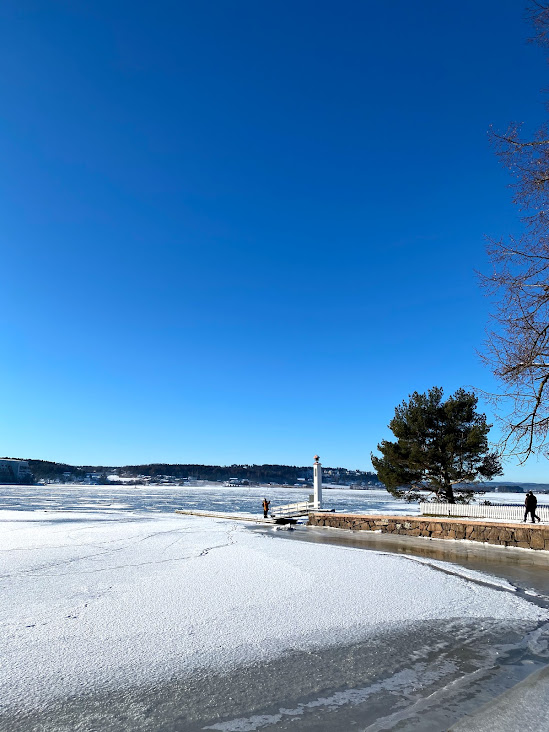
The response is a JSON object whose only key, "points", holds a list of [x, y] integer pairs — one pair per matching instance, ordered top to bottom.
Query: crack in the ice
{"points": [[39, 571], [527, 595], [407, 681], [424, 702]]}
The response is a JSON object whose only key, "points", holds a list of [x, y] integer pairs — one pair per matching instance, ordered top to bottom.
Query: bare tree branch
{"points": [[517, 343]]}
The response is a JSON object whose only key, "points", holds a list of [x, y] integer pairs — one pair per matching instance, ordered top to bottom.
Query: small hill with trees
{"points": [[281, 474]]}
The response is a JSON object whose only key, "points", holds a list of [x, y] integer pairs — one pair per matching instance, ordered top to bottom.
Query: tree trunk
{"points": [[449, 493]]}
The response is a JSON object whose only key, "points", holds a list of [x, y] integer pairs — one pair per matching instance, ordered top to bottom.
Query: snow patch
{"points": [[97, 599]]}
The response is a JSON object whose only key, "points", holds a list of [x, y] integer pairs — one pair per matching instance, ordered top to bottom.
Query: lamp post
{"points": [[317, 472]]}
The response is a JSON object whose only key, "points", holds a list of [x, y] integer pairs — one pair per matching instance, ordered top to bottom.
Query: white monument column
{"points": [[317, 468]]}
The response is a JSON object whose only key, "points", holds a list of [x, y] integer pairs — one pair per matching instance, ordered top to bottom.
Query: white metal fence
{"points": [[292, 509], [511, 512]]}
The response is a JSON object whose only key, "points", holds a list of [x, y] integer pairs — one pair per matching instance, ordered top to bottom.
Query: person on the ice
{"points": [[530, 504], [266, 505]]}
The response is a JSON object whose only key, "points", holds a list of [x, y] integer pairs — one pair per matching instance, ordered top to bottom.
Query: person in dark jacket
{"points": [[530, 504], [266, 505]]}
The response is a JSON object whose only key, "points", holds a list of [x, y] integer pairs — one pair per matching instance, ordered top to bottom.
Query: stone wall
{"points": [[528, 536]]}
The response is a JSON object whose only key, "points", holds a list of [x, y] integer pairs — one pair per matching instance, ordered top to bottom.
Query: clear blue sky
{"points": [[243, 231]]}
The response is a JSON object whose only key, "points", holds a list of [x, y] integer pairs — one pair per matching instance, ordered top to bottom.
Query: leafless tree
{"points": [[538, 15], [517, 348]]}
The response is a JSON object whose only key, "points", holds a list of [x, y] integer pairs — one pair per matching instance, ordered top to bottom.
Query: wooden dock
{"points": [[228, 516]]}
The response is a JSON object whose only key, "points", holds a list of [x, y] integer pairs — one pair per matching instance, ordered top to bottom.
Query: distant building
{"points": [[15, 471], [92, 478], [509, 489]]}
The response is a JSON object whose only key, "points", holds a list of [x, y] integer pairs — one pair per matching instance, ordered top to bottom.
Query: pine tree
{"points": [[439, 444]]}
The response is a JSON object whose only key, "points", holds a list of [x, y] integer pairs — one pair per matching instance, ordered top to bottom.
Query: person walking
{"points": [[530, 504], [266, 505]]}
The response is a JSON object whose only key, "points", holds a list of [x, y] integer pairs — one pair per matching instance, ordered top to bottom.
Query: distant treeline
{"points": [[44, 470], [254, 473]]}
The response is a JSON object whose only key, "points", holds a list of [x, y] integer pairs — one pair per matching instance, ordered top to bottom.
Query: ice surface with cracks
{"points": [[97, 600]]}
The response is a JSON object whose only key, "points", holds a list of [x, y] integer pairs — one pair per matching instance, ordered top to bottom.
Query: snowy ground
{"points": [[97, 600], [118, 614]]}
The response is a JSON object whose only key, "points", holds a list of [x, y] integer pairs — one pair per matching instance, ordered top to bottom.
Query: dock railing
{"points": [[292, 509], [502, 511]]}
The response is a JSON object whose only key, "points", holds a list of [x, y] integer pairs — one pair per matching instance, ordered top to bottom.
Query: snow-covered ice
{"points": [[210, 497], [101, 599]]}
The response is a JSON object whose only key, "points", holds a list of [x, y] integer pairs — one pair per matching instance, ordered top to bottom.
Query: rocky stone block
{"points": [[505, 534], [537, 541]]}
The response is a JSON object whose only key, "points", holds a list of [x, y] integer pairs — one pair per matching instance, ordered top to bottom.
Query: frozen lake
{"points": [[212, 497], [166, 499], [117, 614], [118, 620]]}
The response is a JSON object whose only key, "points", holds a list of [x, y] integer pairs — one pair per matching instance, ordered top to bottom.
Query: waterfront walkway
{"points": [[502, 533]]}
